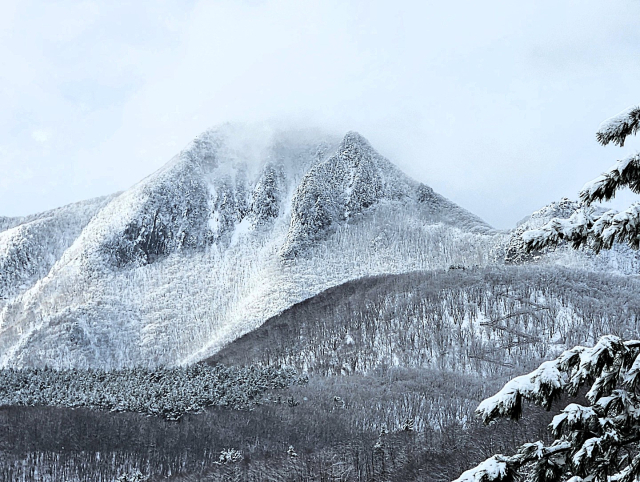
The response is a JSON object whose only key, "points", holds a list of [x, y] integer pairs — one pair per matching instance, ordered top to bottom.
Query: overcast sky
{"points": [[493, 103]]}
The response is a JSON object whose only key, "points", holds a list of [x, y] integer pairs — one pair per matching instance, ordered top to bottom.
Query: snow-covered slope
{"points": [[237, 227], [30, 246]]}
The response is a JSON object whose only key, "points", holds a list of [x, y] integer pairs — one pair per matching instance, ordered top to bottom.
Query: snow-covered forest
{"points": [[486, 321], [168, 393], [399, 424]]}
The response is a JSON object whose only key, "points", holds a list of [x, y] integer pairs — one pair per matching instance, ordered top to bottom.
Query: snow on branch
{"points": [[617, 128], [626, 172], [620, 227], [584, 228], [575, 230], [569, 371], [632, 377], [541, 386], [574, 416], [592, 443], [591, 449], [503, 468], [494, 469], [629, 473]]}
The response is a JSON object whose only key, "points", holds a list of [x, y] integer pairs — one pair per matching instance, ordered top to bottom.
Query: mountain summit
{"points": [[237, 227]]}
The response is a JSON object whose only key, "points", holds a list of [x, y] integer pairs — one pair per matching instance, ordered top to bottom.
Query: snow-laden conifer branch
{"points": [[617, 128], [624, 173], [616, 227], [585, 228], [575, 230], [567, 372], [540, 386], [573, 417], [598, 442], [503, 468], [495, 469]]}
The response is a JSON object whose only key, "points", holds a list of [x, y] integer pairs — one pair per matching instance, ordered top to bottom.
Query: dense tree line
{"points": [[168, 392]]}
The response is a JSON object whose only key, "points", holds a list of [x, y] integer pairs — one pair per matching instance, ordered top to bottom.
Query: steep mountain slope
{"points": [[353, 180], [237, 227], [30, 246]]}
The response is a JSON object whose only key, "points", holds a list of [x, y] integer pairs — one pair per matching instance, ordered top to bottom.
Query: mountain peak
{"points": [[355, 140], [344, 185]]}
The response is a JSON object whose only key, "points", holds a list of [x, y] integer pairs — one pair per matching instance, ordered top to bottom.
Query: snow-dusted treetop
{"points": [[595, 442]]}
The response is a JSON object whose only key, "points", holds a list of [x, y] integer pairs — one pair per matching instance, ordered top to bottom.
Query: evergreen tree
{"points": [[267, 194], [589, 226], [408, 425], [597, 442], [230, 456], [133, 477]]}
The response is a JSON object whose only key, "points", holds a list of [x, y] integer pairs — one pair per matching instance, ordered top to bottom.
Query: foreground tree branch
{"points": [[587, 226], [598, 442]]}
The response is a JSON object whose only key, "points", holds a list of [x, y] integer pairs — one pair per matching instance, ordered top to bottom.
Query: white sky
{"points": [[494, 103]]}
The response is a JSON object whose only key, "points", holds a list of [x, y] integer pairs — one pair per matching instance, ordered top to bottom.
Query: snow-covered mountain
{"points": [[238, 226]]}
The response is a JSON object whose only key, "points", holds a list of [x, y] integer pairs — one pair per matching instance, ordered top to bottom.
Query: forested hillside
{"points": [[471, 320], [397, 424]]}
